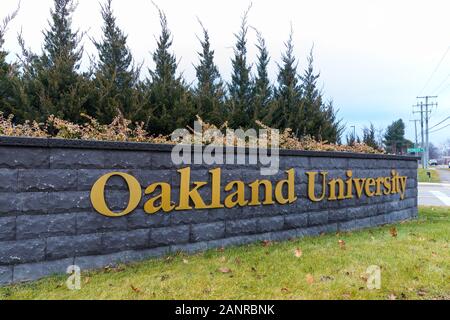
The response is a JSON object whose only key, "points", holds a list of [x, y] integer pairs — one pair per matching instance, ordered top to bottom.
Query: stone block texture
{"points": [[47, 222]]}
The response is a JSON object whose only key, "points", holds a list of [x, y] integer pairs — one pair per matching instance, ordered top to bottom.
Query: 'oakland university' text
{"points": [[238, 193]]}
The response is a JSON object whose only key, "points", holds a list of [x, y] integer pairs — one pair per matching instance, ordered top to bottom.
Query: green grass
{"points": [[423, 177], [415, 265]]}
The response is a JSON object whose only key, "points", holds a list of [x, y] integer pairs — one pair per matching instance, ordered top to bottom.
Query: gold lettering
{"points": [[216, 175], [380, 181], [403, 181], [394, 182], [290, 183], [370, 183], [333, 184], [349, 185], [312, 186], [359, 186], [387, 186], [255, 188], [262, 192], [187, 194], [98, 195], [237, 197], [164, 198]]}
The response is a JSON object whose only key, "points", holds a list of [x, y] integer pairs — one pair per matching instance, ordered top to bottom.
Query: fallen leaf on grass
{"points": [[394, 232], [266, 243], [342, 244], [298, 253], [224, 270], [164, 277], [326, 278], [309, 279], [135, 289], [285, 290], [207, 291], [422, 292], [392, 297]]}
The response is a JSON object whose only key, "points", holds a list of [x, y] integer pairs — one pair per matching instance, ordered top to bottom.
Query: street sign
{"points": [[416, 150]]}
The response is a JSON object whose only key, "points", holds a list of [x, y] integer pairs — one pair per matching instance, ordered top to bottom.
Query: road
{"points": [[444, 174], [434, 194]]}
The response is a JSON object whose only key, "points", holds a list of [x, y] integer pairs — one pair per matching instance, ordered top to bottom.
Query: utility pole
{"points": [[426, 114], [422, 140], [416, 144]]}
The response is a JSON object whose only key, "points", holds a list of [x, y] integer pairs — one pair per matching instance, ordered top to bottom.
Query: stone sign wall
{"points": [[49, 221]]}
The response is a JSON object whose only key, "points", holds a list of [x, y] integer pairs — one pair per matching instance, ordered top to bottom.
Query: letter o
{"points": [[98, 195]]}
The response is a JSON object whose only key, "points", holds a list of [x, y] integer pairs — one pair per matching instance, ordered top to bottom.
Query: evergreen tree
{"points": [[115, 76], [52, 82], [240, 88], [262, 88], [11, 92], [209, 93], [170, 103], [286, 110], [314, 117], [311, 120], [332, 127], [369, 137], [394, 138], [351, 139]]}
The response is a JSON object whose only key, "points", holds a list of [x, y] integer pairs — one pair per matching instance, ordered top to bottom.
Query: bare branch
{"points": [[5, 23]]}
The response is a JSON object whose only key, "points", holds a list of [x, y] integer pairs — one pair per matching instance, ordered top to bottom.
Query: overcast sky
{"points": [[374, 57]]}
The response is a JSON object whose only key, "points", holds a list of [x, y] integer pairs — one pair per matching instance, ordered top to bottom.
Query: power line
{"points": [[436, 69], [439, 87], [444, 89], [440, 123], [440, 129]]}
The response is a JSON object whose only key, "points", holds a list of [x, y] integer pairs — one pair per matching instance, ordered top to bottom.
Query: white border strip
{"points": [[424, 184], [442, 197]]}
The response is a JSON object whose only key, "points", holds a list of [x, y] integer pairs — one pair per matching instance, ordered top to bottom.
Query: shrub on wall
{"points": [[122, 129]]}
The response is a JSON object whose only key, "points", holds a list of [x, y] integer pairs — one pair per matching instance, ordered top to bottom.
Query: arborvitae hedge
{"points": [[37, 86]]}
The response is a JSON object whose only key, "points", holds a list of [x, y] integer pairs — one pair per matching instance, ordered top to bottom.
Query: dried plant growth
{"points": [[122, 129]]}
